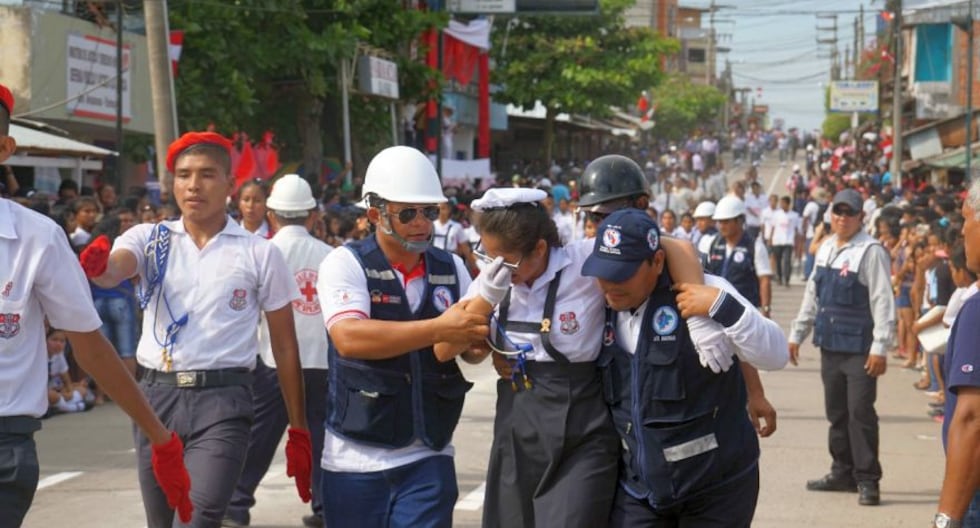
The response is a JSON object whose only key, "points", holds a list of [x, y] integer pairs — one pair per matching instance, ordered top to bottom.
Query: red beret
{"points": [[6, 99], [194, 138]]}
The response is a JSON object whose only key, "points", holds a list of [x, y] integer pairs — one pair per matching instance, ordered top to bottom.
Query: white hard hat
{"points": [[796, 167], [403, 174], [291, 194], [729, 207], [704, 210]]}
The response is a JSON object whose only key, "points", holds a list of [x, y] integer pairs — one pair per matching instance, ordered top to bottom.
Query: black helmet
{"points": [[610, 177]]}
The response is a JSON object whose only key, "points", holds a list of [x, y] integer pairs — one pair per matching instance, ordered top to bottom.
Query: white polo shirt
{"points": [[448, 236], [303, 254], [39, 276], [221, 287], [344, 294], [579, 315]]}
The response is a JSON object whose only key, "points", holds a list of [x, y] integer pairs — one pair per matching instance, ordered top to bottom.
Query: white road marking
{"points": [[775, 180], [57, 478], [473, 500]]}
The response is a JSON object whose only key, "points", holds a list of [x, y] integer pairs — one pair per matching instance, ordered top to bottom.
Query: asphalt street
{"points": [[89, 480]]}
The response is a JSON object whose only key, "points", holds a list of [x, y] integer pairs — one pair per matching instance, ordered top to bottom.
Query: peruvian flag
{"points": [[176, 46], [886, 147]]}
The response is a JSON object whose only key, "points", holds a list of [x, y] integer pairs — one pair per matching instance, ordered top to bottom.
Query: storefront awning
{"points": [[36, 142], [954, 159]]}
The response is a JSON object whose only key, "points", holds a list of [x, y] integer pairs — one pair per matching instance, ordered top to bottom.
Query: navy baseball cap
{"points": [[624, 240]]}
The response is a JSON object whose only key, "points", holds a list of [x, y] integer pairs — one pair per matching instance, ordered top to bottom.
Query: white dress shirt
{"points": [[303, 254], [39, 277], [221, 288]]}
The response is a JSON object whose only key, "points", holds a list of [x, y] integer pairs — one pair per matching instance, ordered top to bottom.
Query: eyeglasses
{"points": [[844, 211], [408, 214], [482, 255]]}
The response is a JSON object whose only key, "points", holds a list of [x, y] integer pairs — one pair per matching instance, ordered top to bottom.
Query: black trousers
{"points": [[784, 263], [849, 400], [271, 421], [213, 423], [19, 472], [731, 505]]}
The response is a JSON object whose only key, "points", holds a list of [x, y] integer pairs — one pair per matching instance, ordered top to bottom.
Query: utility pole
{"points": [[966, 24], [832, 41], [857, 49], [709, 71], [161, 87], [119, 95], [896, 165]]}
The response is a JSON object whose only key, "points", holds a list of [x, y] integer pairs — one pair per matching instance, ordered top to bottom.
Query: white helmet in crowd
{"points": [[403, 174], [291, 197], [729, 207], [704, 210]]}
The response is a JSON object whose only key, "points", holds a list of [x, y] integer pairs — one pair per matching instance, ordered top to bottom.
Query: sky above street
{"points": [[774, 47]]}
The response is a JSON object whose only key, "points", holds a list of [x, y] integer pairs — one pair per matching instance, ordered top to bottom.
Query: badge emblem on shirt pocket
{"points": [[442, 298], [239, 300], [9, 325], [569, 325]]}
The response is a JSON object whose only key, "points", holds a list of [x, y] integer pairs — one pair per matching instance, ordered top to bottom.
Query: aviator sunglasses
{"points": [[408, 214]]}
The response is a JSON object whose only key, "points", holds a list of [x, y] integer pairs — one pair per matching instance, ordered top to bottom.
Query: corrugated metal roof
{"points": [[37, 142]]}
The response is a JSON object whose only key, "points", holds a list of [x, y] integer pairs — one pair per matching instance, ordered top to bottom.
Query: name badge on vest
{"points": [[383, 298], [442, 298], [665, 321]]}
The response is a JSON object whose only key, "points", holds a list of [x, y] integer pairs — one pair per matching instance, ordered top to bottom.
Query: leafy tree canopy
{"points": [[577, 64], [682, 106]]}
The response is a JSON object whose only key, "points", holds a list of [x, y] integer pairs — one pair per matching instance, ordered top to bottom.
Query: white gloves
{"points": [[494, 281], [714, 348]]}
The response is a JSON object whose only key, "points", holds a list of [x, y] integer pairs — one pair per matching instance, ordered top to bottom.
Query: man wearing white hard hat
{"points": [[291, 216], [704, 227], [734, 255], [392, 406]]}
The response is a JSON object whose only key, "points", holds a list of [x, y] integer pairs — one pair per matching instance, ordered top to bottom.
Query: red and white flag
{"points": [[176, 46]]}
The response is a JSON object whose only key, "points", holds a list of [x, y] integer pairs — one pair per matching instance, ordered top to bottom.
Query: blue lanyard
{"points": [[156, 254], [518, 372]]}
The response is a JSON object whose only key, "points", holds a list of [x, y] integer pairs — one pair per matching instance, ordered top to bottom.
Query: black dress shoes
{"points": [[831, 482], [868, 493]]}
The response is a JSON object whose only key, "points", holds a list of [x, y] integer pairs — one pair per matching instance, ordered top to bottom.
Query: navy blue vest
{"points": [[740, 268], [844, 322], [393, 402], [685, 430]]}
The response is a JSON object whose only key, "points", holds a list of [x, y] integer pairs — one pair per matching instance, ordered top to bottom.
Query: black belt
{"points": [[198, 379], [19, 424]]}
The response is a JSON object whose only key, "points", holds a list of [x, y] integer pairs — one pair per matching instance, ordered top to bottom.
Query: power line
{"points": [[796, 80]]}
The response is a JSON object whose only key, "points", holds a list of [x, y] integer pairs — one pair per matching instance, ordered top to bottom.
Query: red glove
{"points": [[95, 257], [299, 461], [171, 474]]}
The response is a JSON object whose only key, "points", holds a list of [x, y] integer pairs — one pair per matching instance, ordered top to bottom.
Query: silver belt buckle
{"points": [[186, 379]]}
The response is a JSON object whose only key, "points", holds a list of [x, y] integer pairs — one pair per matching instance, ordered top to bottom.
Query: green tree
{"points": [[576, 64], [253, 65], [682, 106]]}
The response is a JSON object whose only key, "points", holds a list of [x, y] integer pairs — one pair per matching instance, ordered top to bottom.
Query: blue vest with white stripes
{"points": [[394, 402], [685, 430]]}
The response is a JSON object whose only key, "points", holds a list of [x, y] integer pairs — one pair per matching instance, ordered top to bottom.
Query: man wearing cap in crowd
{"points": [[291, 217], [738, 257], [38, 277], [203, 282], [850, 306], [392, 407], [667, 409]]}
